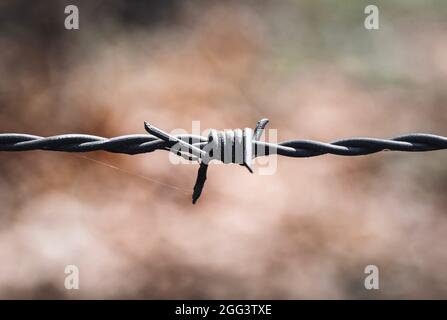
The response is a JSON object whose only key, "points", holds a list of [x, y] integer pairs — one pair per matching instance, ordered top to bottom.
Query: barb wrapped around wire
{"points": [[230, 146]]}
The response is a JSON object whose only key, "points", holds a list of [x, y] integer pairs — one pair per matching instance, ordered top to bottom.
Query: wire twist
{"points": [[231, 146]]}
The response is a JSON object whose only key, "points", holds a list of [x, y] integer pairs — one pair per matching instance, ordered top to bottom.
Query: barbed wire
{"points": [[230, 146]]}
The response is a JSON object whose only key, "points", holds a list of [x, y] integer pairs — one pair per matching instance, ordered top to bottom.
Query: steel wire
{"points": [[218, 144]]}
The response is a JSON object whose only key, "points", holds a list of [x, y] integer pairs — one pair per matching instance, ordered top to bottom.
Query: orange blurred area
{"points": [[307, 231]]}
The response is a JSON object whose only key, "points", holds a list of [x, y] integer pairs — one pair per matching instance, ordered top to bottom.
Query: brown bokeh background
{"points": [[308, 231]]}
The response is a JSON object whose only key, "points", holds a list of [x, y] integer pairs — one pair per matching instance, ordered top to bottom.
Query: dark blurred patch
{"points": [[43, 20]]}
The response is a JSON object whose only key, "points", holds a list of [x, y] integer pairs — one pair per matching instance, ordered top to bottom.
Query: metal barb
{"points": [[260, 125], [171, 139], [247, 143], [200, 182]]}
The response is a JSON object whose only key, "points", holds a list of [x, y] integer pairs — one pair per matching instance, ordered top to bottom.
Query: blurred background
{"points": [[308, 231]]}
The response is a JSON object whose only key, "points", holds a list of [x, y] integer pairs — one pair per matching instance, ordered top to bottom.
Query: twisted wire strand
{"points": [[128, 144], [136, 144], [219, 145]]}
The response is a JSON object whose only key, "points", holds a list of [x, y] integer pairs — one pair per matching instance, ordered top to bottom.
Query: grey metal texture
{"points": [[139, 143], [195, 147]]}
